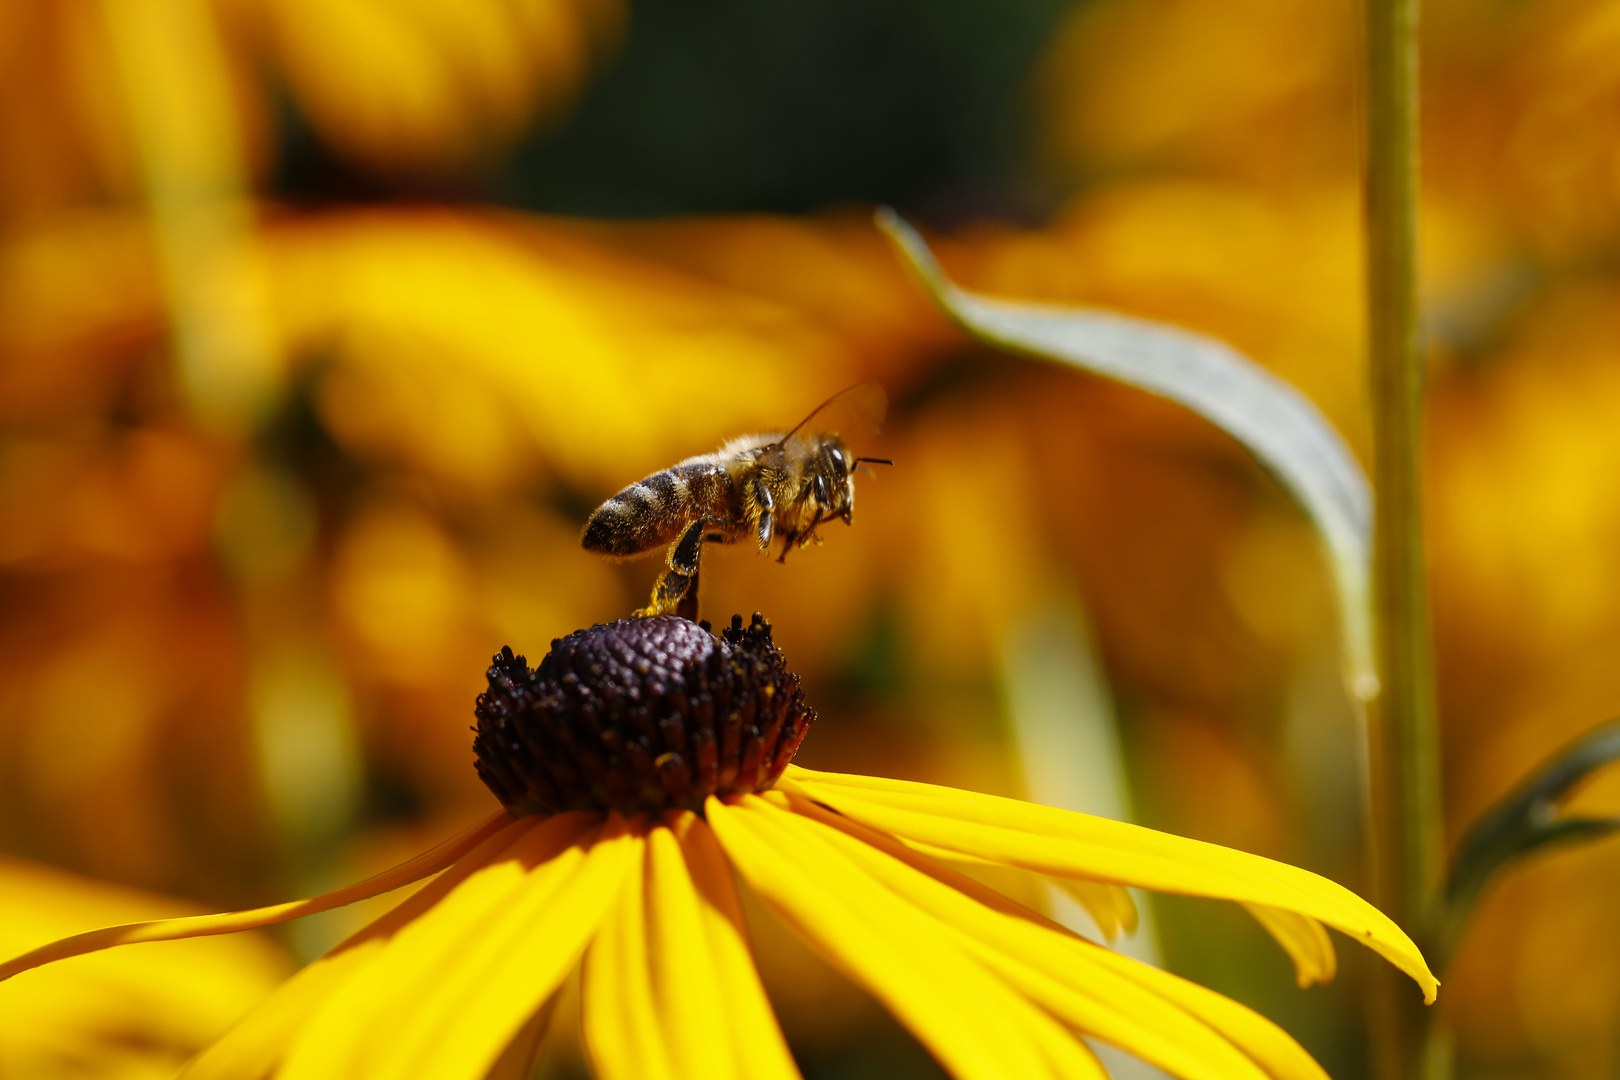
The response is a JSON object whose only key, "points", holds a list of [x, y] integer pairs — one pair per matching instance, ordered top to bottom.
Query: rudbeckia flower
{"points": [[642, 766]]}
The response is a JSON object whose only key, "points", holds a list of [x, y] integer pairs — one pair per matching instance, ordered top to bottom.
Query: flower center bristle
{"points": [[639, 715]]}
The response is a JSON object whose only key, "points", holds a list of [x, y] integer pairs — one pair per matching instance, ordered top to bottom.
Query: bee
{"points": [[778, 486]]}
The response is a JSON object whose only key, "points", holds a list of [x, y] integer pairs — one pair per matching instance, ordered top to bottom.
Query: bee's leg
{"points": [[765, 524], [810, 533], [792, 541], [685, 552], [671, 591], [667, 594], [687, 606]]}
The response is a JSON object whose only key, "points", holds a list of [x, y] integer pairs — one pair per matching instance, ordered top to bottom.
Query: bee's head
{"points": [[839, 467], [832, 477], [836, 491]]}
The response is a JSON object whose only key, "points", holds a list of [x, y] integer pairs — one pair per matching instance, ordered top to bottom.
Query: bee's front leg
{"points": [[763, 505], [810, 533], [788, 539], [792, 541], [680, 579]]}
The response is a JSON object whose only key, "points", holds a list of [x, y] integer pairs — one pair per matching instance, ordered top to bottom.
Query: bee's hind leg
{"points": [[675, 591], [668, 593], [687, 606]]}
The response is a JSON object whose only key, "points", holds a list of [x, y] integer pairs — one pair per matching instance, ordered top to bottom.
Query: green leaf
{"points": [[1278, 424], [1525, 821]]}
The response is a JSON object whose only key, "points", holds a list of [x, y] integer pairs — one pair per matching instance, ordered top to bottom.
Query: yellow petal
{"points": [[432, 85], [590, 338], [1067, 844], [429, 862], [1110, 906], [1305, 941], [1051, 967], [671, 989], [686, 990], [122, 1012], [363, 1017], [972, 1022], [455, 1027], [623, 1035], [1267, 1044], [256, 1046], [1270, 1047], [761, 1051], [1065, 1055], [517, 1060]]}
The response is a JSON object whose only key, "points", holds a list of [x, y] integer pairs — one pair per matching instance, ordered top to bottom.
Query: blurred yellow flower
{"points": [[431, 86], [1253, 88], [454, 982], [116, 1016]]}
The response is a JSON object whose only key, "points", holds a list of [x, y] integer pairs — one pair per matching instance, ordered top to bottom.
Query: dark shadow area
{"points": [[763, 105]]}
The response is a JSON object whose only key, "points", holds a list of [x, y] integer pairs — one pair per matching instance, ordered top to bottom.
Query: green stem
{"points": [[1403, 733]]}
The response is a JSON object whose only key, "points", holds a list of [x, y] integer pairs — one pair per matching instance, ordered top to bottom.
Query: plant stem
{"points": [[1404, 799]]}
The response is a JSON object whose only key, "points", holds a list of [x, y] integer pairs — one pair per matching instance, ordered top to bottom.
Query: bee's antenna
{"points": [[862, 462]]}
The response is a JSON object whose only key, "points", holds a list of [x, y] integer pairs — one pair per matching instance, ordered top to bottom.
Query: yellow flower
{"points": [[642, 766], [119, 1015]]}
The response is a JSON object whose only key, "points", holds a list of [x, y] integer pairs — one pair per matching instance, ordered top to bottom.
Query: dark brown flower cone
{"points": [[639, 715]]}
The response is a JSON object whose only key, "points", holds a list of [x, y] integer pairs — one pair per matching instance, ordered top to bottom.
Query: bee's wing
{"points": [[855, 414]]}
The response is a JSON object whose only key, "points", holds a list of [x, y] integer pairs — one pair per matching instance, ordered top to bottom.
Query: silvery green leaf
{"points": [[1278, 424]]}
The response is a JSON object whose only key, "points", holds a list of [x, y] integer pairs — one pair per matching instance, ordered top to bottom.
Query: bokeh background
{"points": [[323, 326]]}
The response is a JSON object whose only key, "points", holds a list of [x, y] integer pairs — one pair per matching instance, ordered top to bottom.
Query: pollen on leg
{"points": [[640, 715]]}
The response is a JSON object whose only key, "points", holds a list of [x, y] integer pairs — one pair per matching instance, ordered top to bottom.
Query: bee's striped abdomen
{"points": [[651, 512]]}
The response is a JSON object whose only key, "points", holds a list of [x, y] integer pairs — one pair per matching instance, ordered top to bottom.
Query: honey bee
{"points": [[759, 488]]}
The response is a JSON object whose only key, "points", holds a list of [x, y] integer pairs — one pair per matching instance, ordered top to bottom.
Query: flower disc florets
{"points": [[639, 715]]}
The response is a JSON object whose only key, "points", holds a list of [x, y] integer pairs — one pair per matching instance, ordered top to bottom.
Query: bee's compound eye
{"points": [[837, 456]]}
